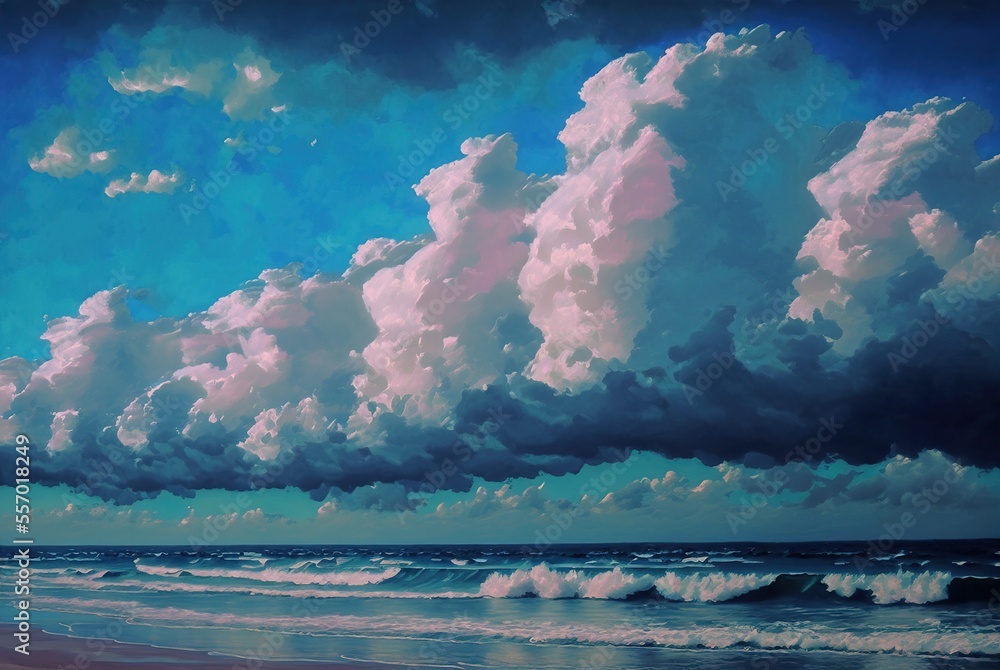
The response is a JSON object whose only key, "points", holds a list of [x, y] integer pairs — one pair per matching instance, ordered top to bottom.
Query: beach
{"points": [[63, 652]]}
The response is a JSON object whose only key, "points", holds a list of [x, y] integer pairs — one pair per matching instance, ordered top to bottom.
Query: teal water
{"points": [[928, 605]]}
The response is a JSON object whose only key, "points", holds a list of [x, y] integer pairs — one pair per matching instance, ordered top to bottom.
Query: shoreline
{"points": [[52, 650]]}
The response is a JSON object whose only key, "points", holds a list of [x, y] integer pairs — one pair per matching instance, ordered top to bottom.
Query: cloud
{"points": [[160, 78], [245, 91], [250, 95], [70, 155], [156, 182], [879, 215], [591, 233], [720, 273], [438, 312], [705, 505]]}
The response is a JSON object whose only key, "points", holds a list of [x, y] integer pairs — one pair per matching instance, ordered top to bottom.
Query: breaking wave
{"points": [[336, 578], [312, 579], [881, 589]]}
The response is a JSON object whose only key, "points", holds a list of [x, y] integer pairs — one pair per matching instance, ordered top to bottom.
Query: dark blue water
{"points": [[823, 605]]}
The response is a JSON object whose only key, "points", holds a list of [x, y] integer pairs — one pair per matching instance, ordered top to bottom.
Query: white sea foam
{"points": [[343, 578], [547, 583], [692, 584], [176, 586], [709, 587], [888, 588], [930, 640]]}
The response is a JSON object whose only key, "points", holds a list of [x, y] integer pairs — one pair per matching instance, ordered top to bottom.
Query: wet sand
{"points": [[55, 652]]}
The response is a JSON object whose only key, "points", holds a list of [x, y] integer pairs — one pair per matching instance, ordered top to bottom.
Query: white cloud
{"points": [[160, 77], [250, 95], [71, 155], [155, 182], [878, 215], [602, 223], [556, 297], [435, 311], [62, 424], [288, 426]]}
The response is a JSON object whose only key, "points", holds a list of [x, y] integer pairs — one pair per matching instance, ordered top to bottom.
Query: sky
{"points": [[500, 272]]}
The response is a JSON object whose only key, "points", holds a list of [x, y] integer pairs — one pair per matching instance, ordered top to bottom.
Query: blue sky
{"points": [[215, 259]]}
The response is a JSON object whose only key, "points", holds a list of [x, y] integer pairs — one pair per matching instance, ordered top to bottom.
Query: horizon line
{"points": [[514, 544]]}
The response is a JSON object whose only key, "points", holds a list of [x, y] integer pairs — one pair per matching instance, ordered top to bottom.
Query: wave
{"points": [[341, 578], [540, 581], [543, 582], [135, 585], [711, 587], [901, 587], [889, 588], [931, 641]]}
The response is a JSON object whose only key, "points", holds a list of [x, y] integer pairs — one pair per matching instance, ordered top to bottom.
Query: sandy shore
{"points": [[52, 652]]}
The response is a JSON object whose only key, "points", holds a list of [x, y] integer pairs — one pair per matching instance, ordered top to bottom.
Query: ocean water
{"points": [[818, 605]]}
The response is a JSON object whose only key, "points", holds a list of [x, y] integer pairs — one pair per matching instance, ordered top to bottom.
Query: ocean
{"points": [[817, 605]]}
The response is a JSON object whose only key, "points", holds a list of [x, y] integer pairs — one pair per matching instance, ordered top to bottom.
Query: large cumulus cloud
{"points": [[724, 271]]}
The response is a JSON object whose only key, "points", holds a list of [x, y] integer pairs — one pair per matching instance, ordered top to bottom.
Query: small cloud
{"points": [[158, 78], [249, 96], [69, 156], [156, 182]]}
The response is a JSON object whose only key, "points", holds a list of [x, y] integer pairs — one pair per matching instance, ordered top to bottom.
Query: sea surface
{"points": [[762, 606]]}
